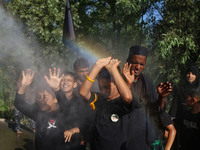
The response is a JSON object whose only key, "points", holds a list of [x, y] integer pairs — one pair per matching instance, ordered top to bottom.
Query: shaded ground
{"points": [[9, 140]]}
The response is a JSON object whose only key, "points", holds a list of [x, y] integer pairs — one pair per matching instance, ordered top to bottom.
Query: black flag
{"points": [[68, 27]]}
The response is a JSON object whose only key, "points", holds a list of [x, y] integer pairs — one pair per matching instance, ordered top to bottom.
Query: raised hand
{"points": [[103, 62], [113, 64], [127, 73], [27, 78], [54, 79], [164, 89]]}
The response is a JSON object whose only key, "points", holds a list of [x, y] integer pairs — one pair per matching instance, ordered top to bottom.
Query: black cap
{"points": [[138, 50]]}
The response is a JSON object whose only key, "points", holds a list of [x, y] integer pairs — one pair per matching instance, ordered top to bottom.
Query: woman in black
{"points": [[178, 105]]}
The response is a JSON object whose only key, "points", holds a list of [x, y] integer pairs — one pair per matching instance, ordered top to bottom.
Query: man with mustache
{"points": [[142, 124]]}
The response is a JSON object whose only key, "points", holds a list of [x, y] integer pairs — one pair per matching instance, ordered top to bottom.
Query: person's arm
{"points": [[87, 84], [123, 88], [163, 90], [20, 102], [68, 133], [171, 136]]}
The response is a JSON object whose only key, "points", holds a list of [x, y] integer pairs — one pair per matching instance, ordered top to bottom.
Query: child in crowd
{"points": [[68, 101], [110, 105], [18, 115], [189, 122], [53, 131], [166, 132]]}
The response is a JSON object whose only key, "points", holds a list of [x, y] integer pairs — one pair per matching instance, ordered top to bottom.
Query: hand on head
{"points": [[103, 62], [113, 64], [54, 79]]}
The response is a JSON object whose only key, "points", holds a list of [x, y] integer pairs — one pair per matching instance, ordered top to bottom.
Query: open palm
{"points": [[127, 73], [27, 77], [54, 79]]}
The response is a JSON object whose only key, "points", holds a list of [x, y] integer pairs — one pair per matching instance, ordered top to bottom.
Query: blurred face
{"points": [[138, 63], [82, 73], [191, 77], [68, 84], [108, 89], [189, 100], [46, 101]]}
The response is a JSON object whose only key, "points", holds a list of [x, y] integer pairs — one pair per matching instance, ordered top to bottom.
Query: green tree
{"points": [[116, 24], [175, 37]]}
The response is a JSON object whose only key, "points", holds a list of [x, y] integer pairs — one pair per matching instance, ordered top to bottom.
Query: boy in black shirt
{"points": [[69, 102], [110, 105], [189, 122], [52, 127]]}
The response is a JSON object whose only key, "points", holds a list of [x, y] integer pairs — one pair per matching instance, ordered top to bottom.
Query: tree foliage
{"points": [[176, 37]]}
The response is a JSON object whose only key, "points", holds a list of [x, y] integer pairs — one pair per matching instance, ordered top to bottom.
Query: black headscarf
{"points": [[194, 71]]}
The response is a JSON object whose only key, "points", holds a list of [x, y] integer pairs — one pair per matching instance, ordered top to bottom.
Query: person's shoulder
{"points": [[146, 78]]}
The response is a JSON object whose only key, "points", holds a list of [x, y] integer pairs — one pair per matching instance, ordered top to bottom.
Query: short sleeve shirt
{"points": [[110, 123]]}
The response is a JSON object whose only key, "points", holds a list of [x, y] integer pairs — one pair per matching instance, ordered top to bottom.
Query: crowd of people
{"points": [[125, 111]]}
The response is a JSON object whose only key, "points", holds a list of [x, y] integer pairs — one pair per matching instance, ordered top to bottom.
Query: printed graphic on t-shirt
{"points": [[52, 124], [190, 124]]}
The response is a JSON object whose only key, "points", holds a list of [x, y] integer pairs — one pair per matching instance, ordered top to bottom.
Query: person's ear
{"points": [[75, 85], [55, 101]]}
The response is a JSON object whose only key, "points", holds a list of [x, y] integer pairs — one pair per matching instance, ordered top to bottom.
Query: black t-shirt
{"points": [[179, 104], [78, 110], [161, 123], [110, 124], [190, 131]]}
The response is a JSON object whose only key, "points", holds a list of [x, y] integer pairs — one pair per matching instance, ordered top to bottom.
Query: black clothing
{"points": [[138, 50], [194, 71], [179, 96], [179, 105], [80, 111], [18, 118], [165, 119], [142, 123], [110, 124], [50, 126], [190, 131]]}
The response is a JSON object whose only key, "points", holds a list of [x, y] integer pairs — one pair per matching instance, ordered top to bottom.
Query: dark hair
{"points": [[138, 50], [81, 62], [105, 74], [73, 75], [41, 85]]}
